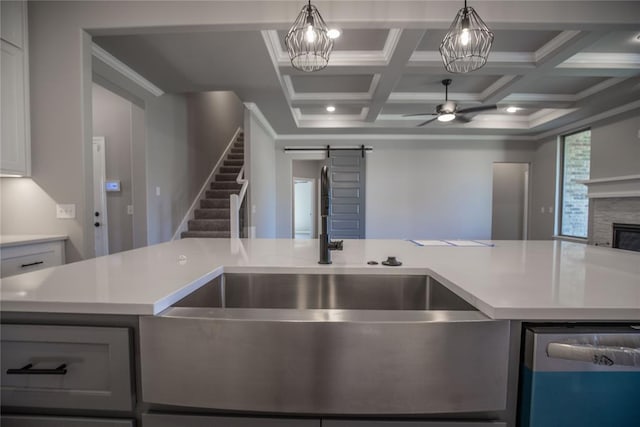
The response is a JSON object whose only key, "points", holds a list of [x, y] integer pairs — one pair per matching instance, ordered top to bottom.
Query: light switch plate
{"points": [[129, 209], [67, 211]]}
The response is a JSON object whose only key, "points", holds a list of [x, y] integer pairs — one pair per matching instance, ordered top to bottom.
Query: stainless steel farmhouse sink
{"points": [[316, 291], [325, 344]]}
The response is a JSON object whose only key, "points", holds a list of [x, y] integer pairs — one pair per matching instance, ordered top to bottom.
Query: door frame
{"points": [[314, 205], [101, 245]]}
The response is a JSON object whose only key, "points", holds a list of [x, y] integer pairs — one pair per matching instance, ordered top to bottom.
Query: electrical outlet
{"points": [[157, 191], [129, 209], [542, 209], [550, 209], [66, 211]]}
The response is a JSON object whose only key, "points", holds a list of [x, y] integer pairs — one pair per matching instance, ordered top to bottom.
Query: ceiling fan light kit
{"points": [[308, 42], [467, 44], [448, 110]]}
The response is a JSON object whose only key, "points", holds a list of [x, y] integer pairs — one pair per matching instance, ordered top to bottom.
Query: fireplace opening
{"points": [[626, 236]]}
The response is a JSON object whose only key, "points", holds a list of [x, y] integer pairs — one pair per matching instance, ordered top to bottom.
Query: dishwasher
{"points": [[580, 376]]}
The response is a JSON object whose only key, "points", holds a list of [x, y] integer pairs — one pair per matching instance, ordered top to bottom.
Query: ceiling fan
{"points": [[448, 110]]}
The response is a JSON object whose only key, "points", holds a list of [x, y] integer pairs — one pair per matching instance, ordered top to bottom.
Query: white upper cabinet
{"points": [[15, 143]]}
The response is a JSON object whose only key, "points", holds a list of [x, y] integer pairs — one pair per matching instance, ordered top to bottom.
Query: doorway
{"points": [[510, 202], [304, 218], [100, 220]]}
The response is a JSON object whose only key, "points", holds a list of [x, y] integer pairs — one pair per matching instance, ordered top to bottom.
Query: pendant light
{"points": [[308, 41], [466, 46]]}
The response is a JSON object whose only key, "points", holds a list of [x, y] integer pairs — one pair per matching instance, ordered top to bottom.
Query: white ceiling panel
{"points": [[353, 39], [504, 40], [318, 83], [433, 83]]}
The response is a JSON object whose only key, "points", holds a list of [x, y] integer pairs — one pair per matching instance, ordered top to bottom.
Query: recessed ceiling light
{"points": [[333, 33], [331, 108], [512, 109]]}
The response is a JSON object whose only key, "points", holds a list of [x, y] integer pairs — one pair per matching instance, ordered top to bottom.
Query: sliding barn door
{"points": [[347, 174]]}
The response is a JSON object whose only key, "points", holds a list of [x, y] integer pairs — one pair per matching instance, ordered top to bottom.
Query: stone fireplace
{"points": [[612, 201]]}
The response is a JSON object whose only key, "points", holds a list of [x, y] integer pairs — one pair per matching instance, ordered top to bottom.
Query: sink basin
{"points": [[317, 291], [339, 344]]}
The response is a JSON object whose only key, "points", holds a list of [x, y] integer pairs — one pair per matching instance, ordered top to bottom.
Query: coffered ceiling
{"points": [[561, 63]]}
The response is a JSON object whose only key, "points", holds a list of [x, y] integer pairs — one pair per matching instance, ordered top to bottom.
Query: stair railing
{"points": [[235, 202]]}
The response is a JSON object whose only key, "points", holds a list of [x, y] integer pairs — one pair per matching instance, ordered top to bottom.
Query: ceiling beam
{"points": [[406, 45]]}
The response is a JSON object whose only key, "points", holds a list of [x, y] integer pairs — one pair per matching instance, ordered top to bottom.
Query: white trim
{"points": [[558, 42], [339, 58], [602, 60], [125, 70], [497, 85], [600, 87], [419, 97], [253, 108], [589, 120], [401, 137], [611, 179], [612, 194], [189, 215], [570, 239]]}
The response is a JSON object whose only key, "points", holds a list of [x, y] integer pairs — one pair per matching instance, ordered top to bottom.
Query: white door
{"points": [[303, 202], [510, 205], [100, 223]]}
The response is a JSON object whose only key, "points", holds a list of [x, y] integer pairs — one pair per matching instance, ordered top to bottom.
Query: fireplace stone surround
{"points": [[612, 200]]}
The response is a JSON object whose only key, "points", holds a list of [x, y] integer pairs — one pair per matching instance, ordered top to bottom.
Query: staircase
{"points": [[212, 219]]}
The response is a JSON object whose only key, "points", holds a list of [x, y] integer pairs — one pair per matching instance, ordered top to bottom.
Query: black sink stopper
{"points": [[391, 262]]}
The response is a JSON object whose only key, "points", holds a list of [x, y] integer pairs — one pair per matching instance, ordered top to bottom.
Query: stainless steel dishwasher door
{"points": [[325, 361], [581, 377]]}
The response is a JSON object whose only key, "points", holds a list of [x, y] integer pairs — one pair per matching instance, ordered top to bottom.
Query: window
{"points": [[574, 208]]}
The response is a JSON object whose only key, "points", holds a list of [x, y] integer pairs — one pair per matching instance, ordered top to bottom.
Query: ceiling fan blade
{"points": [[478, 108], [419, 114], [461, 119], [427, 122]]}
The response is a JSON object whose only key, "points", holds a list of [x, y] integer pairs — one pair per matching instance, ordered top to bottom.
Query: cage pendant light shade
{"points": [[308, 42], [466, 45]]}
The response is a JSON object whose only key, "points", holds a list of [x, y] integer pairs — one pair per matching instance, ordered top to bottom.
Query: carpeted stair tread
{"points": [[232, 156], [233, 162], [235, 170], [226, 177], [225, 185], [219, 194], [215, 203], [216, 213], [209, 225], [209, 234]]}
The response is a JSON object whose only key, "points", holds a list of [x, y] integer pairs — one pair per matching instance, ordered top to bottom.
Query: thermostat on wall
{"points": [[113, 185]]}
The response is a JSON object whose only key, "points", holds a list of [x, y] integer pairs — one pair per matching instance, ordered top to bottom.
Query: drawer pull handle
{"points": [[32, 264], [26, 370]]}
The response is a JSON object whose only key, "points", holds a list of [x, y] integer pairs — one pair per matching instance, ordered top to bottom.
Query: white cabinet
{"points": [[15, 141], [25, 253], [66, 367]]}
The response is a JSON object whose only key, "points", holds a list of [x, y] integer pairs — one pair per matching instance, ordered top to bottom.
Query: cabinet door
{"points": [[13, 15], [14, 155], [66, 367], [175, 420], [36, 421]]}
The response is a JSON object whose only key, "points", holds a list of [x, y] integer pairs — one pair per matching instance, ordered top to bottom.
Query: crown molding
{"points": [[122, 68], [255, 111]]}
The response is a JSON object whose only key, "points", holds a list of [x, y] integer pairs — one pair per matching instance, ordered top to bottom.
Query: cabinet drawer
{"points": [[25, 258], [96, 372], [175, 420], [35, 421], [399, 423]]}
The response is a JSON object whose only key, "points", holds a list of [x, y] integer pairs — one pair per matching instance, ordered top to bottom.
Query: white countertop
{"points": [[7, 240], [530, 280]]}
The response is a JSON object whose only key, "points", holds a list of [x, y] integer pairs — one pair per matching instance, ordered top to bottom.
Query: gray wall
{"points": [[213, 118], [112, 119], [615, 148], [615, 151], [261, 156], [167, 166], [421, 189], [543, 190], [508, 200]]}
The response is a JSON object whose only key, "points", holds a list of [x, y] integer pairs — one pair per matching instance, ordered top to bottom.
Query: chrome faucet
{"points": [[326, 245]]}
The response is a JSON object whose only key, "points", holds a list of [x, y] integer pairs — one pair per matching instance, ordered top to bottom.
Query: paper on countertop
{"points": [[431, 243], [461, 243], [467, 243]]}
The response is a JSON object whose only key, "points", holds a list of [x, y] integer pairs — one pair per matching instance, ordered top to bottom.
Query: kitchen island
{"points": [[507, 284]]}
